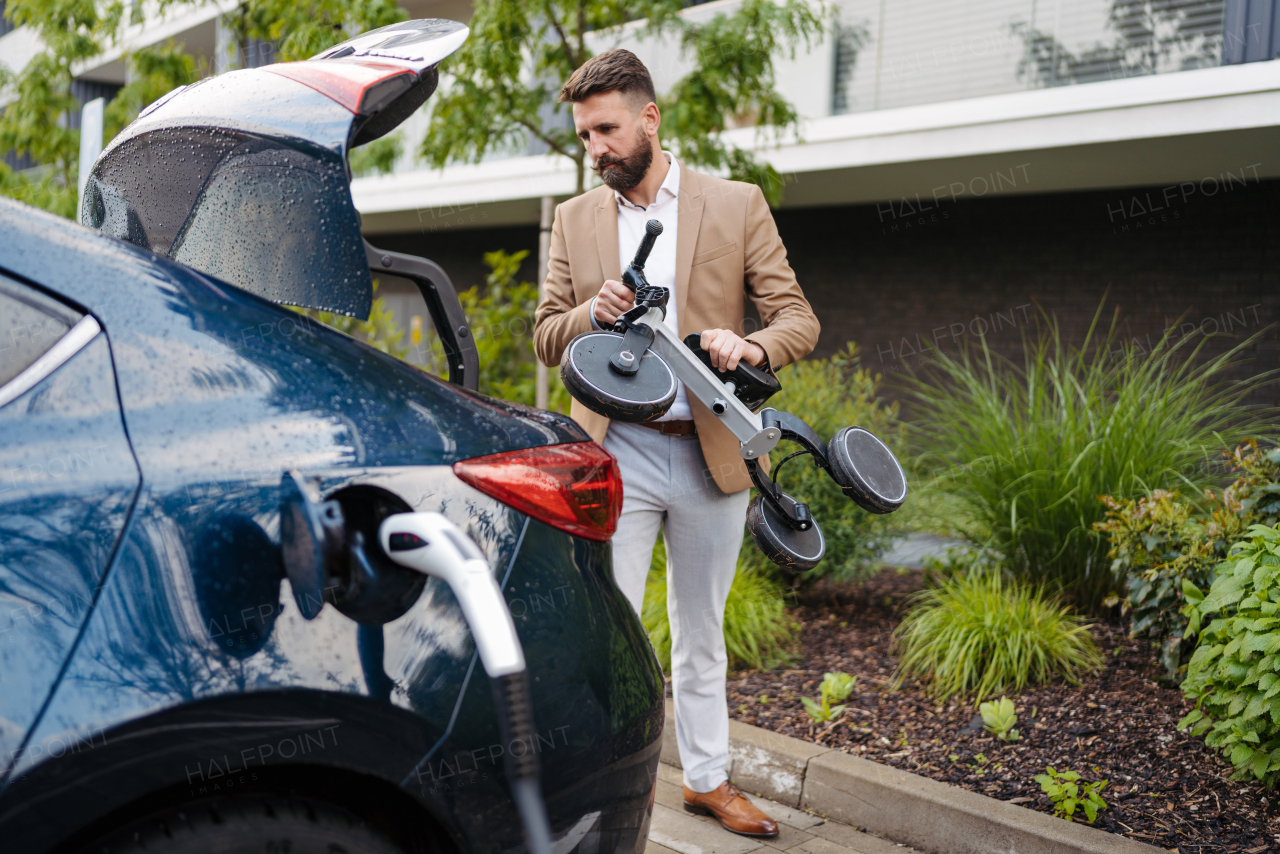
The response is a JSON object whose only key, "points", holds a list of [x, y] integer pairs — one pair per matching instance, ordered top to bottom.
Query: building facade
{"points": [[964, 170]]}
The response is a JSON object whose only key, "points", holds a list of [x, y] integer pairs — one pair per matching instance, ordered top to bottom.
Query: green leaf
{"points": [[1227, 590], [1257, 643], [1273, 706]]}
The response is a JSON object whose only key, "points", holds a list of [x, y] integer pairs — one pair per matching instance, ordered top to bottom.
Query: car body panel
{"points": [[67, 481]]}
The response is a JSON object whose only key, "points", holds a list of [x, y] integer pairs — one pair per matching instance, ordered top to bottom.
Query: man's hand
{"points": [[614, 299], [727, 349]]}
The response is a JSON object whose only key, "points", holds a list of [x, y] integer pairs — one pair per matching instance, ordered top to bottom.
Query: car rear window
{"points": [[269, 216], [30, 323]]}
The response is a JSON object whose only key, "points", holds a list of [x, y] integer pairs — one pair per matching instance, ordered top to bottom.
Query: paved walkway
{"points": [[913, 550], [674, 831]]}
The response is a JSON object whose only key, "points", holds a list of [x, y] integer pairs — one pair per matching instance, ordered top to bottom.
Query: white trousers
{"points": [[667, 485]]}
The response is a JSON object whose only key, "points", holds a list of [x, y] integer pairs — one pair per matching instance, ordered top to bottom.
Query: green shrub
{"points": [[378, 157], [501, 321], [381, 331], [830, 394], [1027, 448], [1255, 495], [1160, 541], [1157, 543], [757, 628], [976, 635], [1234, 674], [1069, 793]]}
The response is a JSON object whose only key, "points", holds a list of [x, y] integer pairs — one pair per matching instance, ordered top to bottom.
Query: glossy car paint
{"points": [[69, 481], [194, 673]]}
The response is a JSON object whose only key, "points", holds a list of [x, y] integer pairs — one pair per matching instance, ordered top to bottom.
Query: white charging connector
{"points": [[431, 544]]}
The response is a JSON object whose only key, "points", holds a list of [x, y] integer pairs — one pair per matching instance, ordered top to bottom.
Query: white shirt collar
{"points": [[670, 184]]}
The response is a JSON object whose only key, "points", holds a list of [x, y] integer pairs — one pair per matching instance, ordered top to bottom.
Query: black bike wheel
{"points": [[644, 396], [866, 470], [792, 550], [248, 824]]}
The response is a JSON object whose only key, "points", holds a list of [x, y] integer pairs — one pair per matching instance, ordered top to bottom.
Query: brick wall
{"points": [[895, 278]]}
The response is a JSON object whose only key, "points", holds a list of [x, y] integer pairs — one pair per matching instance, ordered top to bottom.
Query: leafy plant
{"points": [[378, 157], [501, 320], [381, 331], [830, 394], [1027, 447], [1255, 495], [1161, 542], [1156, 545], [757, 628], [979, 634], [1234, 674], [838, 685], [835, 686], [999, 719], [1070, 793]]}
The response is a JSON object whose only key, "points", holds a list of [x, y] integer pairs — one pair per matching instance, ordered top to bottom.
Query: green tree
{"points": [[73, 32], [506, 78]]}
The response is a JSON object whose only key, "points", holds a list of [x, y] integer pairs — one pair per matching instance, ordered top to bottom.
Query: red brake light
{"points": [[361, 87], [574, 487]]}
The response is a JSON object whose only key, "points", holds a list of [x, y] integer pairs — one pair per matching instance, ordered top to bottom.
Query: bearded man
{"points": [[681, 473]]}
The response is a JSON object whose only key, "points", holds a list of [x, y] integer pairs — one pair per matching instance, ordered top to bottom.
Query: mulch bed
{"points": [[1167, 789]]}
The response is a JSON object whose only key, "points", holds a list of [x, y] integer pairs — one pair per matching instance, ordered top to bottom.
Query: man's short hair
{"points": [[617, 70]]}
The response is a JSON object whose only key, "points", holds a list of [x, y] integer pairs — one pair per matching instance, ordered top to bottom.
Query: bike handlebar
{"points": [[633, 276]]}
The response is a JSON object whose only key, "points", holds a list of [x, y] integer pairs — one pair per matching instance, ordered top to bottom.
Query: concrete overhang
{"points": [[1141, 131]]}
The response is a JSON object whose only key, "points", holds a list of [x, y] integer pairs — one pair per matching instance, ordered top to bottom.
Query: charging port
{"points": [[370, 588]]}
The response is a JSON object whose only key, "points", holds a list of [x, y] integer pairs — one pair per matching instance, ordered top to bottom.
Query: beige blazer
{"points": [[727, 247]]}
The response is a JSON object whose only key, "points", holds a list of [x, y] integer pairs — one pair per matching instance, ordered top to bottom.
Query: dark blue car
{"points": [[171, 678]]}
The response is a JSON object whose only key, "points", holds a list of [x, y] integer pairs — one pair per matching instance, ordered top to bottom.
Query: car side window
{"points": [[30, 323]]}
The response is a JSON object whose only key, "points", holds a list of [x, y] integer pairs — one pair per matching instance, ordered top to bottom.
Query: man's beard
{"points": [[628, 171]]}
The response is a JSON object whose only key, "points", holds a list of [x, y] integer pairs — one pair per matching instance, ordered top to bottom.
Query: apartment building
{"points": [[961, 166]]}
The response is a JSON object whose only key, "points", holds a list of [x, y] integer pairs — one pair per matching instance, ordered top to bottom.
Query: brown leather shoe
{"points": [[735, 812]]}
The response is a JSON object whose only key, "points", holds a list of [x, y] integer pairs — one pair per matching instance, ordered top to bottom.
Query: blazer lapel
{"points": [[687, 228], [607, 237]]}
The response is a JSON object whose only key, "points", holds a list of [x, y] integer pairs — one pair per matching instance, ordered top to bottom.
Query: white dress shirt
{"points": [[660, 269]]}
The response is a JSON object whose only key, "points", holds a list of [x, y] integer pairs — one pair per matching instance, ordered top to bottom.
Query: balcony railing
{"points": [[907, 52]]}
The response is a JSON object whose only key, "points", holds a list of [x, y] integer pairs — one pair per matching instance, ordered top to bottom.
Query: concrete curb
{"points": [[928, 815]]}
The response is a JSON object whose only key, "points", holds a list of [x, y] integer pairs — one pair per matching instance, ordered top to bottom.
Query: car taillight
{"points": [[574, 487]]}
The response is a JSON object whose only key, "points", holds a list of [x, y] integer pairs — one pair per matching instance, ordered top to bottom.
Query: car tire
{"points": [[249, 824]]}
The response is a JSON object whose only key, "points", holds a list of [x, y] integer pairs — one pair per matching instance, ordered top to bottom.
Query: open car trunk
{"points": [[244, 176]]}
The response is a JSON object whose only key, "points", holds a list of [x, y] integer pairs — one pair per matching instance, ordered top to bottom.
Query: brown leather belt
{"points": [[671, 428]]}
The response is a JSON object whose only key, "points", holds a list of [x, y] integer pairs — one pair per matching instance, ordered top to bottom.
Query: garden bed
{"points": [[1167, 789]]}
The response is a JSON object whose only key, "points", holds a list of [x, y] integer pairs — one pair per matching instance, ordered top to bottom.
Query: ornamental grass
{"points": [[1027, 447], [977, 635]]}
